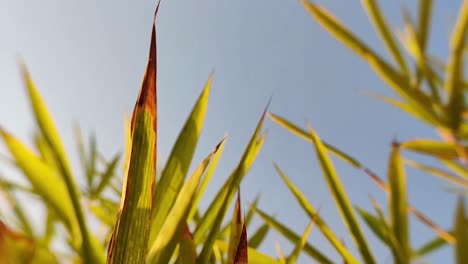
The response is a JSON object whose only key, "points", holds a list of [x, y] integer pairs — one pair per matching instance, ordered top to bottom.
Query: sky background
{"points": [[88, 57]]}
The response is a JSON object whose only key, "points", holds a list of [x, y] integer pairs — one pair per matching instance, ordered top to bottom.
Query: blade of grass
{"points": [[377, 18], [424, 22], [455, 68], [394, 79], [304, 135], [438, 149], [246, 161], [355, 163], [177, 166], [106, 176], [43, 179], [455, 179], [206, 180], [227, 193], [341, 199], [397, 202], [312, 213], [375, 225], [236, 229], [461, 232], [258, 236], [292, 237], [129, 242], [301, 243], [430, 246], [162, 248], [187, 248], [91, 251], [254, 255], [241, 256]]}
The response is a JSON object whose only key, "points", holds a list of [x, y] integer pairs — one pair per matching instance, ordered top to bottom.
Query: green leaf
{"points": [[425, 8], [376, 17], [455, 69], [394, 79], [405, 107], [294, 129], [438, 149], [177, 166], [106, 176], [43, 179], [206, 179], [455, 179], [227, 191], [341, 199], [397, 203], [312, 213], [213, 218], [375, 225], [461, 232], [258, 236], [292, 237], [129, 242], [300, 244], [431, 246], [162, 248], [187, 248], [91, 251], [255, 256]]}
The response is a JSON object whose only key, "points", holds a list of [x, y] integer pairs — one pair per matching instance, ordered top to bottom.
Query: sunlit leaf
{"points": [[377, 18], [455, 69], [173, 174], [455, 179], [341, 199], [398, 203], [218, 206], [312, 213], [461, 232], [259, 235], [292, 237], [129, 243], [161, 249], [91, 251]]}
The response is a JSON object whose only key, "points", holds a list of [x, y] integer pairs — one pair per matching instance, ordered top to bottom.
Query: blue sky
{"points": [[88, 57]]}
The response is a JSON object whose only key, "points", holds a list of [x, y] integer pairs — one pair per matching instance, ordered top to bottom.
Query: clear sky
{"points": [[87, 58]]}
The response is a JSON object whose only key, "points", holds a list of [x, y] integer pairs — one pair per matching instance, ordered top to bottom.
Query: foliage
{"points": [[432, 94], [158, 219]]}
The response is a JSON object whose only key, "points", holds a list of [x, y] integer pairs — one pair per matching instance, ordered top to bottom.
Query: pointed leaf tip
{"points": [[147, 98], [241, 256]]}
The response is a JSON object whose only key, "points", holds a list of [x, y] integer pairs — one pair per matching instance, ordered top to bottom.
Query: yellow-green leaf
{"points": [[377, 18], [455, 68], [438, 149], [173, 174], [227, 191], [341, 199], [397, 203], [312, 213], [461, 232], [292, 237], [129, 243], [163, 246], [187, 248], [91, 251], [255, 257]]}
